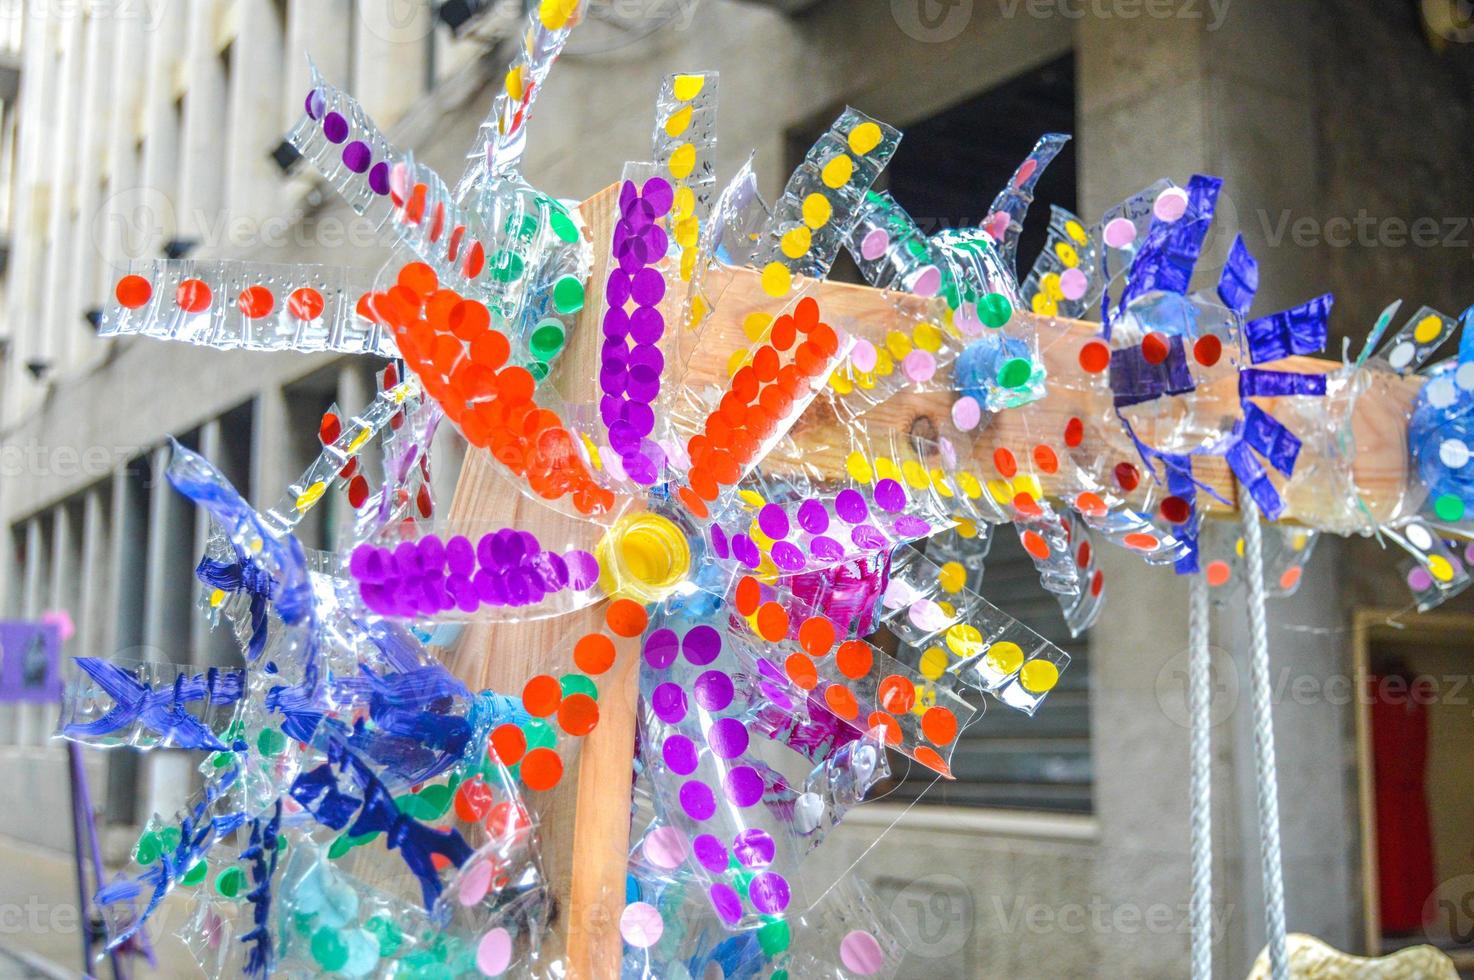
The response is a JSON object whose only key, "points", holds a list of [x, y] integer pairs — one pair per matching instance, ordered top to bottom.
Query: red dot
{"points": [[133, 291], [193, 296], [256, 302], [305, 303], [1154, 348], [1208, 350], [1095, 356], [329, 429], [1074, 432], [1004, 462], [1127, 476], [1175, 509], [1035, 545], [1097, 582]]}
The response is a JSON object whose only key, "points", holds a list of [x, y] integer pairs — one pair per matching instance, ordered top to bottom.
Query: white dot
{"points": [[1402, 355], [1464, 376], [1441, 393], [1453, 453], [1419, 536], [808, 810]]}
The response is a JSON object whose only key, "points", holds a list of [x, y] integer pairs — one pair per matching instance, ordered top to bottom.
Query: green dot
{"points": [[562, 224], [521, 225], [917, 248], [506, 266], [950, 294], [568, 295], [994, 310], [547, 339], [538, 370], [1015, 372], [1449, 507], [578, 684], [539, 734], [271, 742], [222, 759], [434, 801], [169, 838], [340, 847], [148, 849], [196, 873], [744, 880], [228, 882], [302, 922], [386, 932], [774, 936], [329, 949], [780, 975]]}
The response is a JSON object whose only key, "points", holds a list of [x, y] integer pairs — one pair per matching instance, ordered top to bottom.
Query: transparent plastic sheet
{"points": [[684, 149], [246, 306], [1286, 552], [148, 704]]}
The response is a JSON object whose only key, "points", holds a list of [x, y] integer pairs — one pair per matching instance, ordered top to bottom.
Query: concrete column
{"points": [[322, 30], [391, 41], [94, 126], [253, 126], [203, 142], [122, 170], [152, 217], [58, 320], [270, 434], [39, 563], [126, 570], [94, 625]]}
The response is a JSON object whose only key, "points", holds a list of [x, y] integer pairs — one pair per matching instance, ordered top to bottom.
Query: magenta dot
{"points": [[315, 104], [335, 127], [357, 156], [378, 178], [658, 194], [889, 495], [850, 506], [812, 517], [773, 521], [908, 526], [868, 538], [719, 542], [826, 548], [744, 549], [788, 556], [583, 569], [1419, 580], [701, 644], [660, 648], [714, 690], [669, 702], [728, 738], [679, 753], [743, 786], [697, 800], [754, 847], [710, 852], [769, 893], [726, 902]]}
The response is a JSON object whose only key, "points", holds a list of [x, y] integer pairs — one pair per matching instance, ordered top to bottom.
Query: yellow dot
{"points": [[554, 14], [514, 84], [687, 87], [679, 122], [865, 137], [682, 161], [838, 171], [683, 203], [817, 210], [687, 230], [1076, 231], [795, 241], [1067, 254], [777, 280], [1049, 283], [698, 305], [1043, 305], [755, 326], [1428, 329], [928, 336], [898, 344], [736, 361], [884, 363], [866, 381], [841, 383], [358, 441], [593, 451], [859, 467], [886, 468], [915, 474], [940, 483], [1029, 484], [970, 486], [1000, 491], [311, 495], [751, 498], [967, 527], [1299, 541], [1238, 547], [1439, 568], [952, 576], [217, 596], [948, 610], [964, 640], [1005, 656], [933, 663], [1039, 675], [926, 697]]}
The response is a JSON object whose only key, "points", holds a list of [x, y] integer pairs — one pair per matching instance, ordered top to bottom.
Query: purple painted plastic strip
{"points": [[1240, 279], [1298, 330], [1134, 380], [1254, 382], [1270, 439], [1252, 476]]}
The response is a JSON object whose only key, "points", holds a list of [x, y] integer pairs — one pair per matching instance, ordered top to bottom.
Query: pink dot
{"points": [[1025, 171], [1171, 204], [997, 225], [1119, 233], [874, 245], [928, 281], [1072, 283], [966, 319], [863, 356], [919, 365], [966, 413], [1419, 580], [666, 847], [475, 881], [640, 925], [494, 952], [861, 953]]}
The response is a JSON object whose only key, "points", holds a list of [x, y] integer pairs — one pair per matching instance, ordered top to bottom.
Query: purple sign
{"points": [[30, 662]]}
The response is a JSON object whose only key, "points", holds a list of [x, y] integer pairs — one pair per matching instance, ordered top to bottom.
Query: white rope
{"points": [[1199, 707], [1269, 811]]}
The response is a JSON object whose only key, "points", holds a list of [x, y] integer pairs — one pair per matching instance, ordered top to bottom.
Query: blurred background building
{"points": [[132, 129]]}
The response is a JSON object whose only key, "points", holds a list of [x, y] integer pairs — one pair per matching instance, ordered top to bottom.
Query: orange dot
{"points": [[475, 260], [419, 278], [133, 291], [193, 296], [255, 302], [305, 303], [468, 320], [1154, 348], [1207, 350], [1095, 356], [515, 385], [1074, 432], [1045, 458], [1004, 463], [724, 468], [1128, 477], [703, 484], [693, 503], [1025, 504], [1090, 504], [1141, 542], [1035, 544], [1290, 578], [749, 594], [626, 617], [772, 621], [816, 635], [594, 654], [854, 659], [801, 671], [896, 694], [541, 695], [841, 701], [578, 714], [939, 724], [889, 727], [508, 743], [928, 757], [542, 769], [472, 800]]}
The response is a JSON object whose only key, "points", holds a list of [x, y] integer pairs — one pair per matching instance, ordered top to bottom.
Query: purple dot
{"points": [[315, 104], [335, 127], [357, 156], [378, 179], [628, 194], [658, 194], [647, 287], [646, 325], [889, 495], [850, 506], [812, 517], [774, 521], [908, 526], [868, 538], [719, 542], [826, 548], [744, 549], [431, 554], [459, 555], [788, 556], [359, 564], [583, 569], [489, 588], [701, 644], [660, 648], [714, 690], [669, 703], [727, 737], [679, 753], [744, 786], [697, 800], [754, 847], [711, 852], [768, 893], [726, 902]]}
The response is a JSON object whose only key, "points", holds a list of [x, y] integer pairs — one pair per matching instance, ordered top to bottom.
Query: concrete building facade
{"points": [[147, 126]]}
